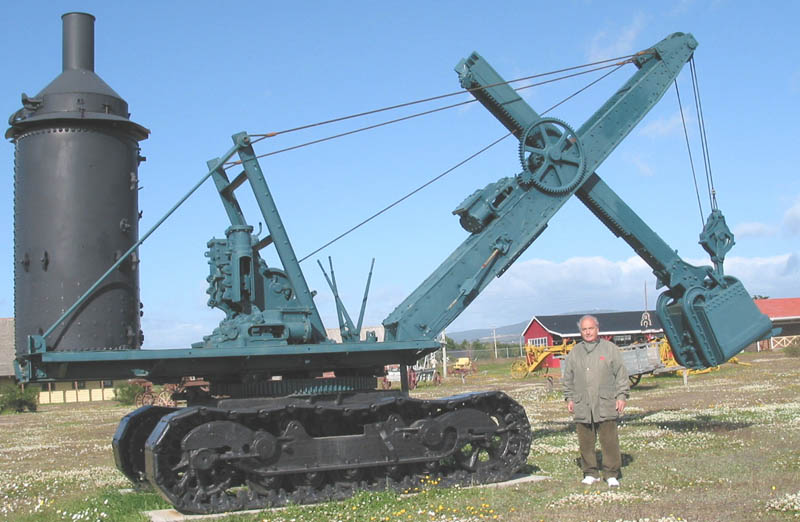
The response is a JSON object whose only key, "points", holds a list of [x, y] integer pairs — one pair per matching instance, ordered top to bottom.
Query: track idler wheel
{"points": [[129, 439], [497, 453], [185, 463]]}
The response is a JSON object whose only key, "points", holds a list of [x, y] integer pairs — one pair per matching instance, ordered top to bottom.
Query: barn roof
{"points": [[783, 308], [611, 323]]}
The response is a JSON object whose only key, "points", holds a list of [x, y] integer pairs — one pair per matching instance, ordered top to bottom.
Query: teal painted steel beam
{"points": [[225, 189], [508, 215], [280, 237], [669, 268], [702, 304], [708, 317], [322, 349], [219, 363]]}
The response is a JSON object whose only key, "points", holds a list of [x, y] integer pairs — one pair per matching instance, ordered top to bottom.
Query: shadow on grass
{"points": [[702, 423], [627, 459], [530, 469]]}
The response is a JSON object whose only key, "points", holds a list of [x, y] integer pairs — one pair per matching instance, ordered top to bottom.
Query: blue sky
{"points": [[197, 72]]}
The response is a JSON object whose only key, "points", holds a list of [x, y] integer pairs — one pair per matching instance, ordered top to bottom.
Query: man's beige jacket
{"points": [[594, 376]]}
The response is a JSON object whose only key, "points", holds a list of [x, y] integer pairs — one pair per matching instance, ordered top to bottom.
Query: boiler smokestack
{"points": [[78, 41], [76, 206]]}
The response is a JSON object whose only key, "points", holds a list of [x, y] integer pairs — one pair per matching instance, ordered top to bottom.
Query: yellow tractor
{"points": [[535, 357], [463, 366]]}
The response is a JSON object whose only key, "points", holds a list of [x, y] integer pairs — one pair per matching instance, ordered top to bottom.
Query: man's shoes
{"points": [[589, 480], [612, 482]]}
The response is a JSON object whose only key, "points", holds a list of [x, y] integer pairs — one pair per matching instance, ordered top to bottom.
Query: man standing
{"points": [[596, 387]]}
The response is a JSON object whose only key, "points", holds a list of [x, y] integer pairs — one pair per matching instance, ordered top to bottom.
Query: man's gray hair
{"points": [[593, 318]]}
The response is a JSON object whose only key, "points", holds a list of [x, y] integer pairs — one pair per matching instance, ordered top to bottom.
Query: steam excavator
{"points": [[275, 427]]}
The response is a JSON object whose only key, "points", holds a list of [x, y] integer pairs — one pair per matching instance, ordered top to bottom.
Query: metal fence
{"points": [[503, 352]]}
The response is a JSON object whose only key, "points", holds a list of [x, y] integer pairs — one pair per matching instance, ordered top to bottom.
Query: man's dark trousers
{"points": [[609, 445]]}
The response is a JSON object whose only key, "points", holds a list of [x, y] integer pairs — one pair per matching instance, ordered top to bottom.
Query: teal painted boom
{"points": [[506, 216], [707, 317]]}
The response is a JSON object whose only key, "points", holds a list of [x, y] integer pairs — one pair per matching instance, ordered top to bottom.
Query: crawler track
{"points": [[258, 453]]}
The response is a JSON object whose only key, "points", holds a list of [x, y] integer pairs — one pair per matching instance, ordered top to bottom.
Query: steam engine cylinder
{"points": [[76, 205]]}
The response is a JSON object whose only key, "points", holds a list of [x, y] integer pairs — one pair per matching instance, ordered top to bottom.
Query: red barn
{"points": [[785, 314], [621, 328]]}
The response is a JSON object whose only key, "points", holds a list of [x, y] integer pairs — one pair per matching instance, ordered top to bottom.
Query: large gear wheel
{"points": [[552, 156]]}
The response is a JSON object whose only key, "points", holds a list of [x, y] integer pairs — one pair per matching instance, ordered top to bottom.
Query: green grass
{"points": [[725, 448], [108, 504]]}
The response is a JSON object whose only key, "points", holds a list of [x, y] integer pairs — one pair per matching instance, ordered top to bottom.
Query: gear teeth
{"points": [[485, 96], [575, 175]]}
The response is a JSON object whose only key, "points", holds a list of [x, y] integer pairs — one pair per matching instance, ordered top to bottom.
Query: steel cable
{"points": [[439, 97], [260, 137], [691, 159], [451, 169], [712, 193], [384, 209]]}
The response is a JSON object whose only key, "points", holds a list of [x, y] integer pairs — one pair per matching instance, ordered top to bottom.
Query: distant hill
{"points": [[505, 334]]}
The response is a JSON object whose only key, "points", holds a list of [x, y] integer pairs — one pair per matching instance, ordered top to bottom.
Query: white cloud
{"points": [[681, 7], [607, 44], [665, 126], [642, 166], [791, 219], [790, 225], [754, 230], [776, 276], [579, 284], [535, 286], [539, 286]]}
